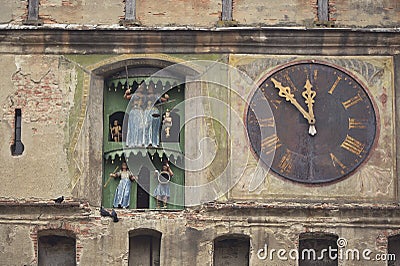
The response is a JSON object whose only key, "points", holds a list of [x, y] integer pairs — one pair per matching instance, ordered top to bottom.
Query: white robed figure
{"points": [[136, 125], [152, 125], [122, 195]]}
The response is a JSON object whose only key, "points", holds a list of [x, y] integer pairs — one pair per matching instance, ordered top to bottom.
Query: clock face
{"points": [[321, 127]]}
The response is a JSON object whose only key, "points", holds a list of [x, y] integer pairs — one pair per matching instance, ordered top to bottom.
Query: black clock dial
{"points": [[344, 115]]}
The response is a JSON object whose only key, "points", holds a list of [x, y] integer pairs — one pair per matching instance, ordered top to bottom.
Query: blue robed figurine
{"points": [[136, 124], [152, 125], [123, 191], [162, 191]]}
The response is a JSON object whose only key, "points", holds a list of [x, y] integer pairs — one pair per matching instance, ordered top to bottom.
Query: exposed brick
{"points": [[39, 101]]}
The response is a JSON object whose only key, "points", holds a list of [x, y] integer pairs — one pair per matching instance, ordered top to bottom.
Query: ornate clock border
{"points": [[303, 95]]}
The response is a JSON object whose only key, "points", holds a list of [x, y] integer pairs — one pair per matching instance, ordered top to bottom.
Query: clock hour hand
{"points": [[284, 92], [309, 95]]}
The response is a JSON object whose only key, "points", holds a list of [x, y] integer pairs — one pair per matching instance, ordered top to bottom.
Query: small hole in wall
{"points": [[17, 148]]}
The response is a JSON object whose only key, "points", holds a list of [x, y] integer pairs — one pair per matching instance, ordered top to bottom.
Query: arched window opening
{"points": [[33, 13], [142, 133], [144, 247], [56, 248], [314, 249], [231, 250], [394, 250]]}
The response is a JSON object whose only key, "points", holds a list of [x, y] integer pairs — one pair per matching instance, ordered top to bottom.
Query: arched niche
{"points": [[117, 122], [91, 130], [312, 246], [56, 247], [144, 247], [233, 249], [393, 249]]}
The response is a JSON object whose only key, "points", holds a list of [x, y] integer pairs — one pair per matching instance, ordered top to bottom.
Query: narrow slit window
{"points": [[130, 10], [226, 10], [323, 10], [33, 13], [130, 14], [17, 148]]}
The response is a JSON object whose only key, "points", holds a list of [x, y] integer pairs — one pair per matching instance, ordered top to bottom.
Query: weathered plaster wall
{"points": [[11, 11], [95, 12], [204, 13], [273, 13], [354, 13], [368, 13], [36, 86], [54, 91], [60, 99], [188, 236], [17, 247]]}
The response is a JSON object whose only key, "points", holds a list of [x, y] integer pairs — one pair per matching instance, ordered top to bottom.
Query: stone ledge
{"points": [[35, 22], [130, 23], [321, 41], [300, 205], [34, 207], [351, 213]]}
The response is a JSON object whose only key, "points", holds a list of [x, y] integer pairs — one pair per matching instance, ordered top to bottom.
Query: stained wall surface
{"points": [[354, 13], [55, 73]]}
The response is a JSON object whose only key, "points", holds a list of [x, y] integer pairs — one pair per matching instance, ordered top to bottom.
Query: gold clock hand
{"points": [[284, 92], [309, 95]]}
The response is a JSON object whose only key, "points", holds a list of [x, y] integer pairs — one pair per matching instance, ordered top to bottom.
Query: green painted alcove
{"points": [[141, 160]]}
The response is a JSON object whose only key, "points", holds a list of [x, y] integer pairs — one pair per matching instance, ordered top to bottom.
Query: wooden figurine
{"points": [[167, 123], [116, 131], [123, 191], [162, 191]]}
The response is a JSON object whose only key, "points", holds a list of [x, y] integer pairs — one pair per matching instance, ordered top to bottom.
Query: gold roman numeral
{"points": [[315, 74], [334, 85], [292, 86], [352, 101], [274, 103], [267, 122], [357, 124], [269, 144], [353, 145], [286, 162], [336, 163]]}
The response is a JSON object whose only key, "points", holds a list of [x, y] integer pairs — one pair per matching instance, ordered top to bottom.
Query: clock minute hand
{"points": [[284, 92], [309, 95]]}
